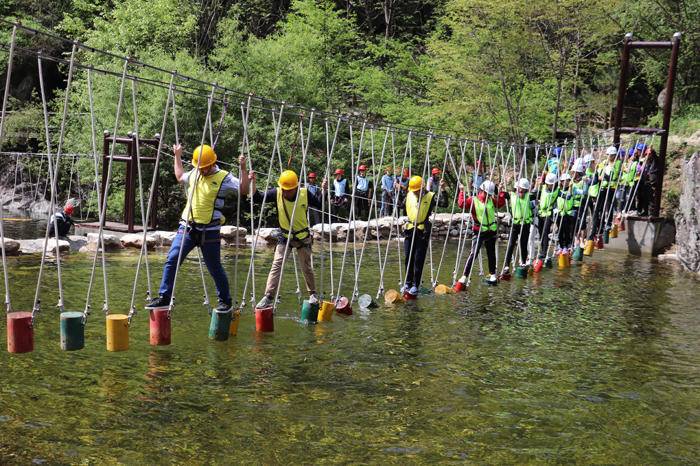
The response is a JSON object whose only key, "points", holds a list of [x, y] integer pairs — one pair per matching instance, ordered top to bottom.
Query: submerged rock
{"points": [[688, 216], [36, 246], [12, 247]]}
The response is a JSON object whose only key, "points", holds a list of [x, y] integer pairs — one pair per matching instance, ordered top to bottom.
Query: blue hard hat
{"points": [[641, 146], [557, 151], [621, 151], [630, 151]]}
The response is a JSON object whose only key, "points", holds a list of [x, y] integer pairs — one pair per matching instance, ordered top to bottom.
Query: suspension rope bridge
{"points": [[572, 197]]}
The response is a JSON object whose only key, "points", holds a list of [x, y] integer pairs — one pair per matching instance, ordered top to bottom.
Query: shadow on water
{"points": [[598, 363]]}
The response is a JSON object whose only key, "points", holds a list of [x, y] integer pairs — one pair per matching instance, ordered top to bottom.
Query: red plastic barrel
{"points": [[537, 265], [459, 286], [408, 296], [342, 306], [264, 320], [160, 326], [20, 332]]}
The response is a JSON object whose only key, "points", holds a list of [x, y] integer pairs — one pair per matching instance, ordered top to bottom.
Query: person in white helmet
{"points": [[608, 174], [483, 207], [545, 210], [521, 211], [567, 213]]}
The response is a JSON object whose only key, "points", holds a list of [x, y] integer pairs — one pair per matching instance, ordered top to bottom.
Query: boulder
{"points": [[688, 216], [232, 235], [269, 235], [163, 238], [135, 240], [77, 242], [111, 242], [36, 246], [12, 247]]}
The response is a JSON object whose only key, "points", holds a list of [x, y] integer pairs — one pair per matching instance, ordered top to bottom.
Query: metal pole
{"points": [[668, 107], [619, 108]]}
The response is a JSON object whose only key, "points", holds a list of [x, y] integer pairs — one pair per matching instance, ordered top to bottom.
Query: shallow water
{"points": [[22, 225], [599, 363]]}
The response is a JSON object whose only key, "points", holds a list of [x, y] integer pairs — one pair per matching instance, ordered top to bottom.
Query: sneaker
{"points": [[506, 270], [463, 279], [492, 280], [413, 291], [313, 299], [160, 301], [266, 301], [223, 307]]}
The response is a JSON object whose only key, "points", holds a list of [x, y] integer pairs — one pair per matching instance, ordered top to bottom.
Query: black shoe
{"points": [[160, 301], [223, 307]]}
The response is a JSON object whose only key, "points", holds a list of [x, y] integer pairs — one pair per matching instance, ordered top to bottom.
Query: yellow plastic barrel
{"points": [[614, 230], [588, 249], [562, 260], [443, 289], [392, 297], [325, 313], [235, 320], [117, 332]]}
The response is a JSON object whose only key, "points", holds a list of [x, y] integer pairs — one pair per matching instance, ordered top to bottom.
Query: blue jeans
{"points": [[210, 244]]}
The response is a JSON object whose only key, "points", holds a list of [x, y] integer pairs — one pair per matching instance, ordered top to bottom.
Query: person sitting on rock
{"points": [[292, 204], [62, 220]]}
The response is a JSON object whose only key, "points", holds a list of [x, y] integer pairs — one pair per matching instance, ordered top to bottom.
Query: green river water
{"points": [[599, 363]]}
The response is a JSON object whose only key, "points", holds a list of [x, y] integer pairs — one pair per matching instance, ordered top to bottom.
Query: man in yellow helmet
{"points": [[292, 204], [419, 206], [200, 224]]}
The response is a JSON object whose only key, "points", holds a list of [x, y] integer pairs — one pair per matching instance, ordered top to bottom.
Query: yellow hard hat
{"points": [[208, 156], [288, 180], [415, 183]]}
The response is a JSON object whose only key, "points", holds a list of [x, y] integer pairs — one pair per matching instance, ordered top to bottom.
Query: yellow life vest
{"points": [[203, 200], [418, 214], [300, 228]]}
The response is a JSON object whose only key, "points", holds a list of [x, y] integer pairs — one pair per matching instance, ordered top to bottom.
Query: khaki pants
{"points": [[303, 248]]}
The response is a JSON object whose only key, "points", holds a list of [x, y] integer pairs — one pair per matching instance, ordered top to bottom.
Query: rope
{"points": [[3, 112], [53, 179], [145, 217], [100, 239]]}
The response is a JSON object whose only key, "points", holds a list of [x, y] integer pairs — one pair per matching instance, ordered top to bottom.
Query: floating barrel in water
{"points": [[622, 224], [613, 231], [606, 236], [599, 242], [588, 249], [578, 253], [563, 260], [548, 262], [537, 265], [521, 272], [505, 276], [459, 286], [443, 289], [392, 297], [409, 297], [366, 302], [342, 306], [309, 312], [325, 313], [264, 319], [235, 320], [159, 323], [220, 325], [72, 330], [20, 332], [117, 332]]}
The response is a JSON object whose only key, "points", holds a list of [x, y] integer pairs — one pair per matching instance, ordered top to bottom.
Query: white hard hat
{"points": [[612, 150], [588, 158], [578, 167], [565, 177], [551, 178], [523, 183], [488, 187]]}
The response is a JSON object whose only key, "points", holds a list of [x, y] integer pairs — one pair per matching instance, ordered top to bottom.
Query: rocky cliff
{"points": [[688, 215]]}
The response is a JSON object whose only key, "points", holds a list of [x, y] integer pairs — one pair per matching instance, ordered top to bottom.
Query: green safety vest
{"points": [[614, 174], [630, 175], [578, 189], [594, 189], [203, 200], [546, 203], [565, 206], [520, 208], [417, 214], [485, 214], [300, 228]]}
